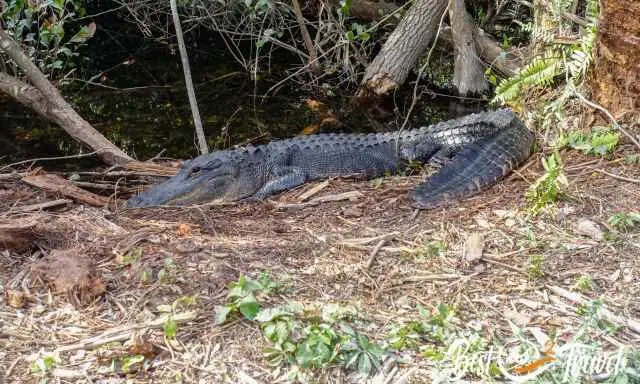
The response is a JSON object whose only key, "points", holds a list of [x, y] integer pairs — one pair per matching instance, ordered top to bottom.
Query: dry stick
{"points": [[202, 141], [48, 158], [618, 177], [367, 240], [373, 254], [495, 262], [434, 277], [632, 324], [125, 332]]}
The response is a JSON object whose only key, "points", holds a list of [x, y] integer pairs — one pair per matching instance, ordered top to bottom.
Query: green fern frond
{"points": [[541, 72]]}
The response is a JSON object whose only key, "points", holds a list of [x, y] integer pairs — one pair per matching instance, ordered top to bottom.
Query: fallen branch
{"points": [[150, 168], [54, 183], [42, 206]]}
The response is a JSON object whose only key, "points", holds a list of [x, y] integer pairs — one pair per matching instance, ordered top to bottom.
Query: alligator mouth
{"points": [[179, 192]]}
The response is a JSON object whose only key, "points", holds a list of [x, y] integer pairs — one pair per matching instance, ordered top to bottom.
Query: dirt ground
{"points": [[93, 277]]}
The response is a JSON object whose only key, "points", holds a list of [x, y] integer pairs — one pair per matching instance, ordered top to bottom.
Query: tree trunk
{"points": [[404, 46], [468, 76], [615, 80], [45, 99]]}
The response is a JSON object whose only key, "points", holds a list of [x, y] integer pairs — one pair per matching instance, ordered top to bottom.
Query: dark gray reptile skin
{"points": [[477, 150]]}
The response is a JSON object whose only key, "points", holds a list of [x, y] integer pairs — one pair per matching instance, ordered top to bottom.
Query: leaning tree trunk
{"points": [[404, 46], [468, 76], [615, 80], [45, 99]]}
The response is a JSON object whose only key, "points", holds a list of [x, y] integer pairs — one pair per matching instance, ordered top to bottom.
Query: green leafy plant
{"points": [[45, 30], [556, 59], [602, 141], [632, 159], [550, 186], [624, 221], [428, 250], [534, 269], [167, 273], [584, 283], [242, 297], [170, 328], [432, 328], [311, 342], [360, 351], [44, 364]]}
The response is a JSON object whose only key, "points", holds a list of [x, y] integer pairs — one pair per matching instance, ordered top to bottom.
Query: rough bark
{"points": [[371, 10], [404, 46], [468, 76], [615, 80], [45, 99]]}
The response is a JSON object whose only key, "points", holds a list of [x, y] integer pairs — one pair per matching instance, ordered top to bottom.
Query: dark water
{"points": [[142, 106]]}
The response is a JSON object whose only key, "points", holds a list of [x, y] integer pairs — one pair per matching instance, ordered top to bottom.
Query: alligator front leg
{"points": [[282, 179]]}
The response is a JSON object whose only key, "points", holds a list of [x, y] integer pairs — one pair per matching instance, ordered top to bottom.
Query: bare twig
{"points": [[305, 36], [202, 141], [78, 156], [618, 177], [373, 254], [495, 262]]}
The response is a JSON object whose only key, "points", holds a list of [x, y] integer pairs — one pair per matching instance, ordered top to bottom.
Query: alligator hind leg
{"points": [[442, 157], [283, 179]]}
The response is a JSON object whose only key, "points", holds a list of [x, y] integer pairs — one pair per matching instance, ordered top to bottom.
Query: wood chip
{"points": [[313, 191], [473, 248]]}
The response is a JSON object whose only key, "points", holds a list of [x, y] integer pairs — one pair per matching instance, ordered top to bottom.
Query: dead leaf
{"points": [[314, 105], [311, 129], [184, 230], [473, 248], [16, 299], [141, 345]]}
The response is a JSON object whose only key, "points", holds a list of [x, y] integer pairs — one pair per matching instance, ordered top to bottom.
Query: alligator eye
{"points": [[195, 171]]}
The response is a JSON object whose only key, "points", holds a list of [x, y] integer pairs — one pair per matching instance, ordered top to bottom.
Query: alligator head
{"points": [[221, 176]]}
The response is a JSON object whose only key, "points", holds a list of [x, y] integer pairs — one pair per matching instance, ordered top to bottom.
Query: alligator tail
{"points": [[476, 167]]}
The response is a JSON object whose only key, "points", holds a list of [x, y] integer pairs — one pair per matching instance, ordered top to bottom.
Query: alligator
{"points": [[473, 153]]}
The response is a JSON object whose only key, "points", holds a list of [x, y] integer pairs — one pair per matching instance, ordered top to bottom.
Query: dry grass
{"points": [[323, 254]]}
